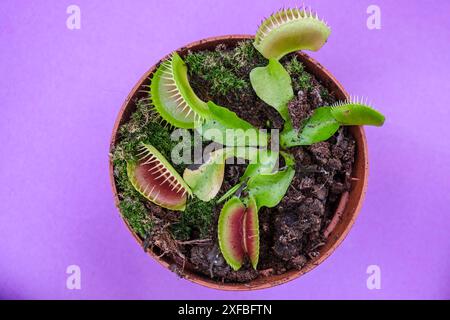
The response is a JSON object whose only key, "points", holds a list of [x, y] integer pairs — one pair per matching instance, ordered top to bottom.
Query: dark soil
{"points": [[291, 233]]}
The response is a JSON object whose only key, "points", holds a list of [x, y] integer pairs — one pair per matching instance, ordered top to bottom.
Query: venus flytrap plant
{"points": [[261, 185]]}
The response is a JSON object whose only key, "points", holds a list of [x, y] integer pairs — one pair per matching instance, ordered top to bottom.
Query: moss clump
{"points": [[224, 71], [301, 80], [144, 126], [135, 212], [195, 221]]}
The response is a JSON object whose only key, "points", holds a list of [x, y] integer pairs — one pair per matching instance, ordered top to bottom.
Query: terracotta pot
{"points": [[349, 205]]}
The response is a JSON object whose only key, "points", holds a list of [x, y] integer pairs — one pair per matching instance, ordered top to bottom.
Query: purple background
{"points": [[60, 92]]}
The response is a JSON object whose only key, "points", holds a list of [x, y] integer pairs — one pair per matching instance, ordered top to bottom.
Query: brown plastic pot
{"points": [[350, 202]]}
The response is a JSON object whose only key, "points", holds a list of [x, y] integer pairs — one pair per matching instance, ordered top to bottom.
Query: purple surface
{"points": [[60, 92]]}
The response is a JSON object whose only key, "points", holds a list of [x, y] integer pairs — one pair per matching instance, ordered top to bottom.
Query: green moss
{"points": [[245, 55], [224, 71], [301, 80], [327, 97], [144, 126], [135, 212], [197, 219]]}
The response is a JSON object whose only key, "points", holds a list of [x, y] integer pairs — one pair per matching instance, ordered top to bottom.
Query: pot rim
{"points": [[347, 210]]}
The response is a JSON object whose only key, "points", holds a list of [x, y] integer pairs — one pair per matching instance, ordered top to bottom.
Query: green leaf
{"points": [[272, 84], [357, 114], [319, 127], [226, 128], [289, 159], [263, 163], [206, 180], [269, 189], [229, 193]]}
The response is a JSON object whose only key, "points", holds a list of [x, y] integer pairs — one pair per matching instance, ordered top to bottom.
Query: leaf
{"points": [[272, 84], [358, 114], [325, 121], [225, 127], [319, 127], [289, 159], [264, 162], [206, 180], [269, 189], [229, 193]]}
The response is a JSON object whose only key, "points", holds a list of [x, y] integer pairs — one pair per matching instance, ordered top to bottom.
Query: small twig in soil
{"points": [[196, 241], [318, 245], [313, 255], [266, 272]]}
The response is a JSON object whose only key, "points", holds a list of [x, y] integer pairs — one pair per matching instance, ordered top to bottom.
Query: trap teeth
{"points": [[274, 36], [173, 96], [154, 178]]}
